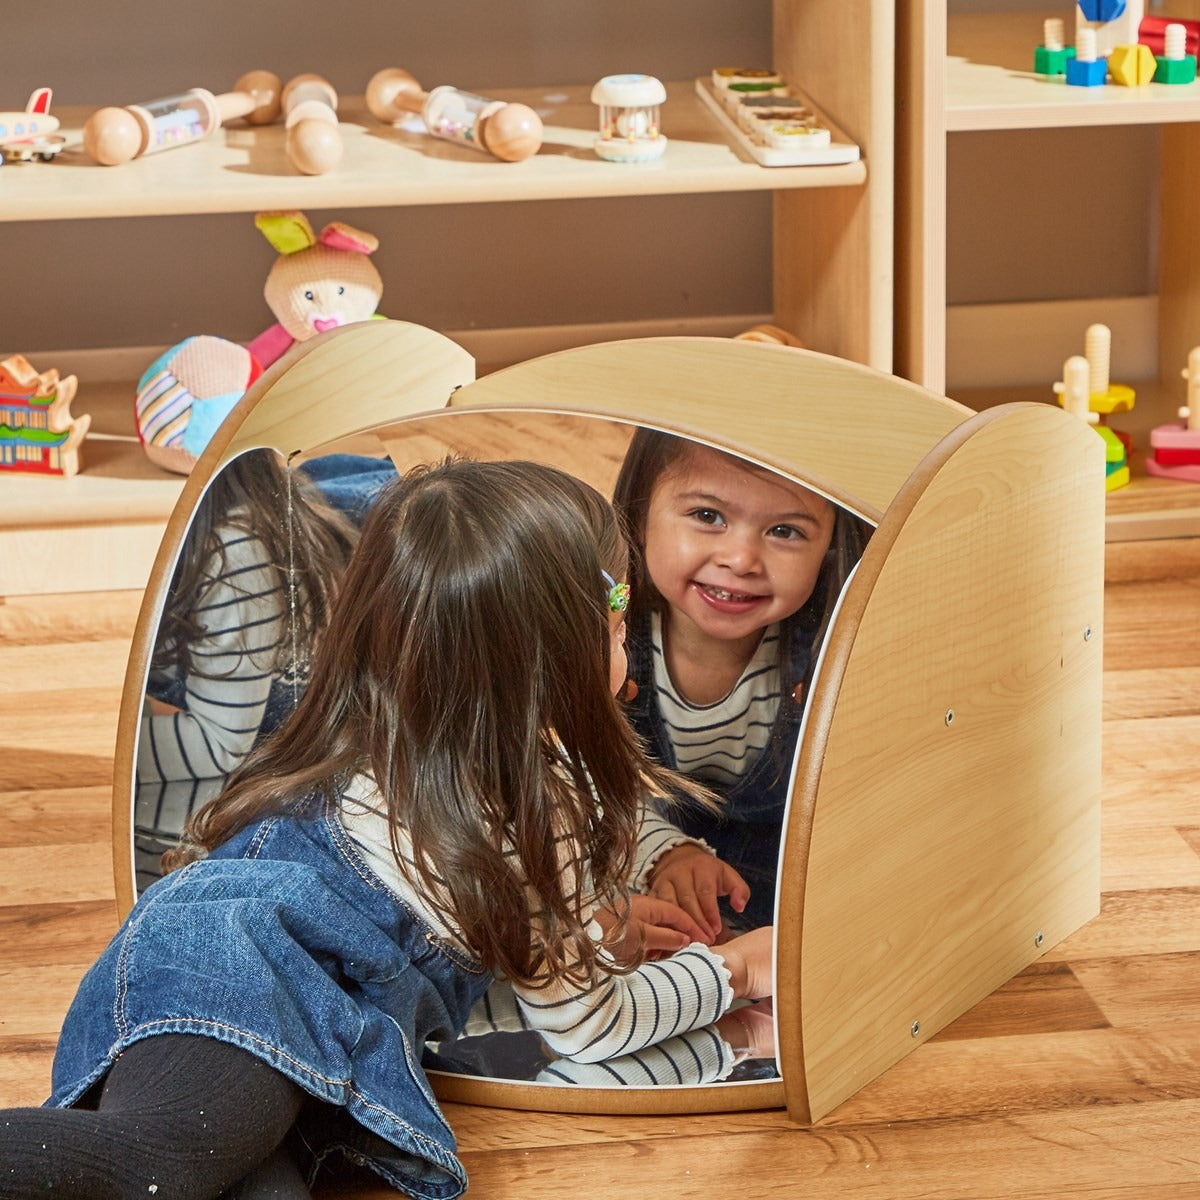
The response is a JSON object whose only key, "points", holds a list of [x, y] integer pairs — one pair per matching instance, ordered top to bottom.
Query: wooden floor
{"points": [[1081, 1078]]}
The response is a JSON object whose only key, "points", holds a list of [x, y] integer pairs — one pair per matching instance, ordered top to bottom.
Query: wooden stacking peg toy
{"points": [[510, 132], [114, 135], [314, 142]]}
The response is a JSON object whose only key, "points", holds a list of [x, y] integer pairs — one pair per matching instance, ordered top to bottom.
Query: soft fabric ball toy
{"points": [[318, 282], [186, 393]]}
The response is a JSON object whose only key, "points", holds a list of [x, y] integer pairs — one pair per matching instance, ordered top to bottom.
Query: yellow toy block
{"points": [[1132, 66], [1117, 398]]}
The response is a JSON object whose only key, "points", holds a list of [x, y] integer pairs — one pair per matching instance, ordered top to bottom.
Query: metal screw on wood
{"points": [[1087, 633], [949, 716], [1038, 938], [916, 1029]]}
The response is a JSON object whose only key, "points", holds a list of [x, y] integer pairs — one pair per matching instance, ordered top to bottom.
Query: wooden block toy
{"points": [[1112, 22], [1152, 32], [1050, 58], [1175, 65], [1132, 66], [1086, 69], [775, 123], [509, 132], [112, 135], [1075, 396], [1104, 397], [37, 432], [1176, 447], [1116, 464]]}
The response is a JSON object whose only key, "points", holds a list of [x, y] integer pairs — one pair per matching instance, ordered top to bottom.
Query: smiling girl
{"points": [[739, 571]]}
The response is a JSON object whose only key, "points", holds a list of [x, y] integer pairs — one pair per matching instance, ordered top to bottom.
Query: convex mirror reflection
{"points": [[735, 573]]}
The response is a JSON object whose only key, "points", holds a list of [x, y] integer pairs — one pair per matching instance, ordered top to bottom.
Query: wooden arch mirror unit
{"points": [[943, 825]]}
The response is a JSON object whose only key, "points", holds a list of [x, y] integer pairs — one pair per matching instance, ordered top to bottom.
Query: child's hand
{"points": [[160, 708], [691, 877], [657, 925], [750, 961]]}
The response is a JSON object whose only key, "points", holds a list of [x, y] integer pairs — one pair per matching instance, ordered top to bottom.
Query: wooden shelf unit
{"points": [[971, 72], [832, 234]]}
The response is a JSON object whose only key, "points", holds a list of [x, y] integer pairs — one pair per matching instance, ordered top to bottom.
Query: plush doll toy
{"points": [[318, 283]]}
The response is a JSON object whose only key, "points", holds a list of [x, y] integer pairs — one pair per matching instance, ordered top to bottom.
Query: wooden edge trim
{"points": [[618, 1101]]}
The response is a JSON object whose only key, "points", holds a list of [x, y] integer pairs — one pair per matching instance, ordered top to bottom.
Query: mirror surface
{"points": [[266, 543]]}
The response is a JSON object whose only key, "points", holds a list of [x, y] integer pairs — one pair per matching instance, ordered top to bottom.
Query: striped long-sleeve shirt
{"points": [[242, 611], [718, 743], [620, 1013]]}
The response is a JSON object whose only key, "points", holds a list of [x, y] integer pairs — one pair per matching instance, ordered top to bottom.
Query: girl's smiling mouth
{"points": [[725, 600]]}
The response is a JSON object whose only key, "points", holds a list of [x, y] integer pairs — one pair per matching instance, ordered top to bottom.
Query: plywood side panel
{"points": [[955, 820]]}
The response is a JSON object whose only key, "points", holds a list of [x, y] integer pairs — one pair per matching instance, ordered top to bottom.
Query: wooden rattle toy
{"points": [[630, 128], [510, 132], [112, 136], [314, 143]]}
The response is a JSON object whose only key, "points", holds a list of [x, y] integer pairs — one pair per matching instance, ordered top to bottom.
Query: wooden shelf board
{"points": [[990, 82], [245, 169], [1149, 506]]}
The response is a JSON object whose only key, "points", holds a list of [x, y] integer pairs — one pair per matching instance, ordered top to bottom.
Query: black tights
{"points": [[179, 1117]]}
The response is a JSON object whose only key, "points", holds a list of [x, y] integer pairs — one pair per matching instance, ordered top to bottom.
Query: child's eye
{"points": [[341, 290], [308, 295], [707, 516], [787, 533]]}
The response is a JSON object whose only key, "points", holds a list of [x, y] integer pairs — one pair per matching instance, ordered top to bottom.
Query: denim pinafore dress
{"points": [[746, 833], [284, 942]]}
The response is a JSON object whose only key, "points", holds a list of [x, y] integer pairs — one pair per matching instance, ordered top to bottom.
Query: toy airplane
{"points": [[30, 134]]}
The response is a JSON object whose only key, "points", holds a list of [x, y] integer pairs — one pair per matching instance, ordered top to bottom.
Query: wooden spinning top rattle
{"points": [[510, 132], [112, 136], [314, 142]]}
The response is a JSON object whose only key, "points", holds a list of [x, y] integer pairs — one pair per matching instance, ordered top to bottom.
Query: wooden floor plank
{"points": [[37, 816], [34, 874], [1166, 918]]}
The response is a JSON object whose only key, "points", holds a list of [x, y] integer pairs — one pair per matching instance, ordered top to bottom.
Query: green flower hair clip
{"points": [[618, 593]]}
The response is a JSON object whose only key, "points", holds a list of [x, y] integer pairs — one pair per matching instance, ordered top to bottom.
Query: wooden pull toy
{"points": [[510, 132], [112, 136], [314, 142]]}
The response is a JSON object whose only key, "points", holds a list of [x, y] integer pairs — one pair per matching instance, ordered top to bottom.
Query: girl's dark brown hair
{"points": [[650, 455], [307, 539], [466, 669]]}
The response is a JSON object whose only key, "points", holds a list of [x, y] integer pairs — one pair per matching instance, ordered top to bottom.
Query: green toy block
{"points": [[1052, 62], [1175, 70]]}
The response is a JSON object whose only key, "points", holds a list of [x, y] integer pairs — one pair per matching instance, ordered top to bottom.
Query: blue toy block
{"points": [[1102, 10], [1087, 74]]}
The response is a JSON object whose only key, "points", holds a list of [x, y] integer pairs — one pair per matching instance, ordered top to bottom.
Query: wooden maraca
{"points": [[510, 132], [115, 135], [313, 140]]}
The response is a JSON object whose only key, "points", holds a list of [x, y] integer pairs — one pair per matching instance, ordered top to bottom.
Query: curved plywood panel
{"points": [[853, 433], [945, 823]]}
